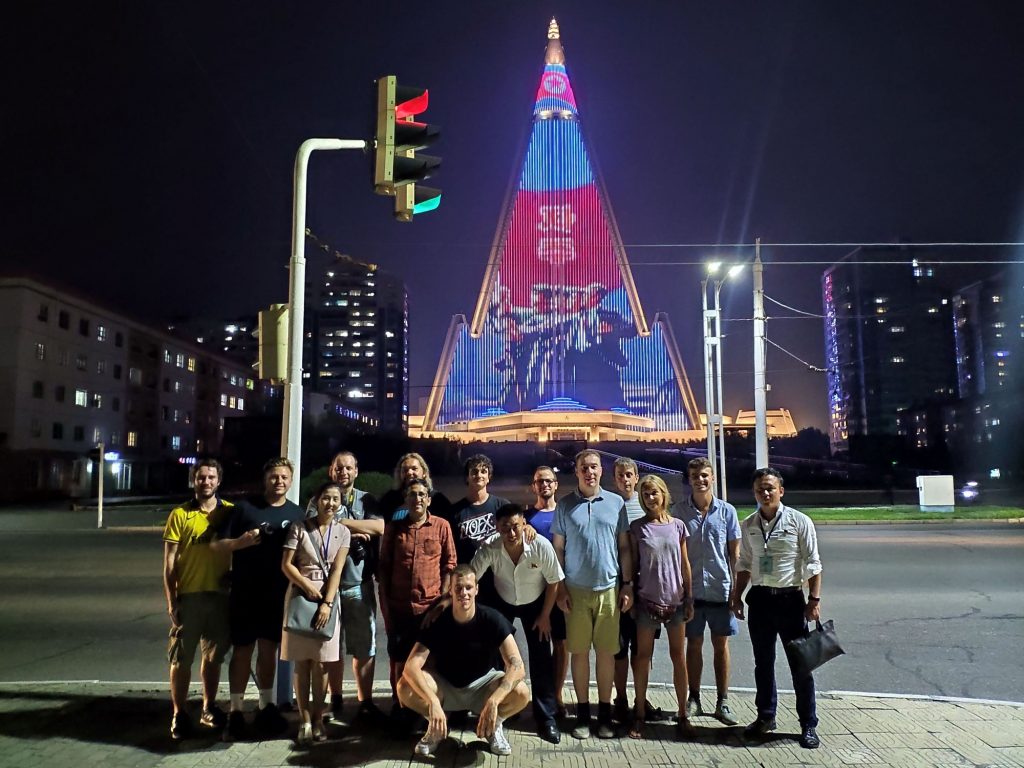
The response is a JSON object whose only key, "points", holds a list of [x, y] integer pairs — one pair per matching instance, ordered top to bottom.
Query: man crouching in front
{"points": [[451, 668]]}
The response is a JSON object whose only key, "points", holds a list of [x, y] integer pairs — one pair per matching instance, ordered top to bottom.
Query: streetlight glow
{"points": [[713, 267], [734, 270]]}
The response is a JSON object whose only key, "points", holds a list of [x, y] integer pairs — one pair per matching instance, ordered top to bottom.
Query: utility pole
{"points": [[710, 341], [760, 385], [291, 427], [101, 463]]}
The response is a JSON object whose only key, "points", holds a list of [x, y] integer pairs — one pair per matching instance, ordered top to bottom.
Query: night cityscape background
{"points": [[148, 153]]}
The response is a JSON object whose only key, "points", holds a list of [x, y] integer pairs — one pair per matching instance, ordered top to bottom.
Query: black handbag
{"points": [[808, 653]]}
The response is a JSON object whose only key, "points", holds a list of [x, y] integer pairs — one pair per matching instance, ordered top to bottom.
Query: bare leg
{"points": [[721, 646], [678, 655], [561, 662], [266, 663], [695, 663], [239, 668], [642, 668], [209, 671], [362, 671], [303, 674], [318, 675], [336, 675], [181, 676], [581, 676], [605, 676], [622, 678]]}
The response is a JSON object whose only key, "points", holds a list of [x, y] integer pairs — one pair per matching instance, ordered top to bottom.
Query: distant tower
{"points": [[558, 346]]}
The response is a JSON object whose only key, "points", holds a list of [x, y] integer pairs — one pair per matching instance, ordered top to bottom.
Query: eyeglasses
{"points": [[545, 481]]}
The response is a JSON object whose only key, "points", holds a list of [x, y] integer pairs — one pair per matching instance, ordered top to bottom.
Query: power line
{"points": [[791, 309], [813, 367]]}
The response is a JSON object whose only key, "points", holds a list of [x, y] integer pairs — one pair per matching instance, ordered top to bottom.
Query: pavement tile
{"points": [[996, 733]]}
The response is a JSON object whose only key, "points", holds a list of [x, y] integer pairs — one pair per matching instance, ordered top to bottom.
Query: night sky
{"points": [[148, 147]]}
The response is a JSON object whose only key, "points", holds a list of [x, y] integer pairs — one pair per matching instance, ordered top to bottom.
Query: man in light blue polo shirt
{"points": [[591, 537], [713, 549]]}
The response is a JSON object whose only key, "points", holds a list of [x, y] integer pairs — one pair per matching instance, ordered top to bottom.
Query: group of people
{"points": [[591, 570]]}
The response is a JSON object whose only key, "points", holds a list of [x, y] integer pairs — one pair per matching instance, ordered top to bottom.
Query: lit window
{"points": [[101, 335], [40, 351], [167, 356], [192, 364], [135, 375], [249, 384], [81, 398], [97, 400], [224, 400], [232, 401], [241, 404], [97, 435], [133, 439], [176, 443]]}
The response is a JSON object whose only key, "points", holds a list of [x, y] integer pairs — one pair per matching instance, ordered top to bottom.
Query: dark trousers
{"points": [[771, 617], [542, 668]]}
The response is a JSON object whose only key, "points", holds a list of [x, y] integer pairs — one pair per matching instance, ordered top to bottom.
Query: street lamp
{"points": [[713, 370]]}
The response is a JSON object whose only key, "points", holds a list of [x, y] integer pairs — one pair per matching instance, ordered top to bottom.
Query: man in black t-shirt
{"points": [[255, 535], [460, 646]]}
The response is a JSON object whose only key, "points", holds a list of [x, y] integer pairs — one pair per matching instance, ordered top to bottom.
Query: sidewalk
{"points": [[50, 725]]}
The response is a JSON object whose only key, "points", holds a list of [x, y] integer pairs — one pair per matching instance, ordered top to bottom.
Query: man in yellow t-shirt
{"points": [[196, 590]]}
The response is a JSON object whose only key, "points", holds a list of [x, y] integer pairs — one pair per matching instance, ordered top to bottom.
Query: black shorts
{"points": [[256, 616], [557, 624], [627, 635]]}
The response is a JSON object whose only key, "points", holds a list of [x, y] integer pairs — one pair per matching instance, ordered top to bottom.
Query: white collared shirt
{"points": [[789, 542], [523, 582]]}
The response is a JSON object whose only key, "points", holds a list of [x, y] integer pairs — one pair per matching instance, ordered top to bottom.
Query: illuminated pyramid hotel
{"points": [[558, 346]]}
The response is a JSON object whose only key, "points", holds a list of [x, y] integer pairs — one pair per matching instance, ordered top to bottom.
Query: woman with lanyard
{"points": [[314, 554]]}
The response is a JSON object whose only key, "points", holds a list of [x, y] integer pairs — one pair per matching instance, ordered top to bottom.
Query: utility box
{"points": [[935, 493]]}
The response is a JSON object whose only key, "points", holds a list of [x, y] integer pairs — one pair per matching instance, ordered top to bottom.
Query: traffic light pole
{"points": [[291, 425]]}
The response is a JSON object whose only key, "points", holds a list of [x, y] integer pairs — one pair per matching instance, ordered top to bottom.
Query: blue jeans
{"points": [[771, 617]]}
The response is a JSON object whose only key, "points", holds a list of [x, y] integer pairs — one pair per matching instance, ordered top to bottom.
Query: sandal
{"points": [[636, 728], [319, 736], [305, 737]]}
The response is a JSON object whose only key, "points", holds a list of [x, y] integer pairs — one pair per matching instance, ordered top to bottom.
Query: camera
{"points": [[358, 550]]}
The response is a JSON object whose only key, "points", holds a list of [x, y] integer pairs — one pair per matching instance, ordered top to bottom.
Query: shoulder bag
{"points": [[302, 611]]}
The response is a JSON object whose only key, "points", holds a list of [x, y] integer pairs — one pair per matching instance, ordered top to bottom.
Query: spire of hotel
{"points": [[554, 54]]}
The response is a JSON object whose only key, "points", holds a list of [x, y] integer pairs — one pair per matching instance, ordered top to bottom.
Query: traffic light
{"points": [[397, 168], [273, 333]]}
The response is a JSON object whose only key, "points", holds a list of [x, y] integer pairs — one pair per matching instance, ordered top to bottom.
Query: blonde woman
{"points": [[314, 555], [663, 596]]}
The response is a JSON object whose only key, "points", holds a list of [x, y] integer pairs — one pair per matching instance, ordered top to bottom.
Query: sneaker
{"points": [[693, 708], [655, 714], [724, 714], [214, 717], [269, 721], [181, 726], [759, 728], [236, 729], [581, 729], [605, 729], [809, 739], [498, 743], [426, 746]]}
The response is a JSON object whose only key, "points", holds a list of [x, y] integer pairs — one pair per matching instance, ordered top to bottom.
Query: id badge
{"points": [[765, 564]]}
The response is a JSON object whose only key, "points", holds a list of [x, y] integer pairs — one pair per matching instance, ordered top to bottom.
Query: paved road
{"points": [[923, 609]]}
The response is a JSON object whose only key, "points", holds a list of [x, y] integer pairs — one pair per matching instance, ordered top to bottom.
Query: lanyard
{"points": [[775, 524], [326, 540]]}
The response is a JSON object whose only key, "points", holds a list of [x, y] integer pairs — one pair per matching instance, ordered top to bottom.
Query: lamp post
{"points": [[713, 397]]}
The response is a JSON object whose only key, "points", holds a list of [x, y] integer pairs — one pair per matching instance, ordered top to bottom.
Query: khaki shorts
{"points": [[204, 619], [593, 621]]}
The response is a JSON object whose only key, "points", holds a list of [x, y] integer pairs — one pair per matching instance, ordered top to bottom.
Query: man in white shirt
{"points": [[778, 552], [526, 579]]}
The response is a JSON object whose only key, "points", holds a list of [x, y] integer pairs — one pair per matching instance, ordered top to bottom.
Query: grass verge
{"points": [[909, 512]]}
